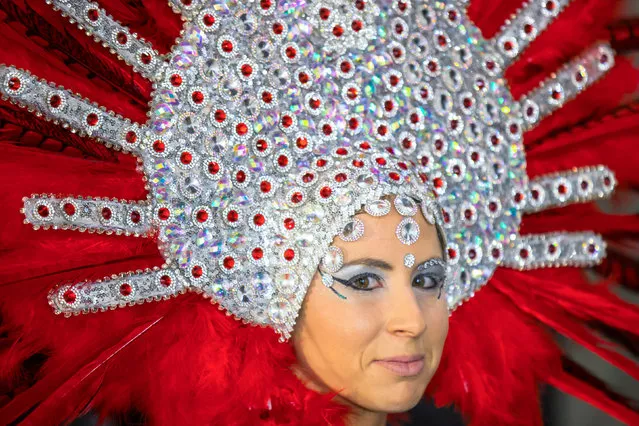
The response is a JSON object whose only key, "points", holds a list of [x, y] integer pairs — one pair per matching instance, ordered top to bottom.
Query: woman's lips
{"points": [[405, 366]]}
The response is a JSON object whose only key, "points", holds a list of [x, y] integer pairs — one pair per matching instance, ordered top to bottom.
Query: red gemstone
{"points": [[187, 2], [265, 4], [360, 4], [402, 6], [550, 6], [324, 13], [93, 14], [452, 15], [209, 20], [357, 25], [278, 28], [399, 28], [528, 28], [338, 31], [122, 38], [441, 40], [227, 46], [508, 46], [291, 52], [397, 52], [145, 58], [491, 65], [432, 66], [345, 67], [247, 70], [303, 77], [394, 80], [14, 83], [423, 92], [351, 93], [556, 95], [198, 97], [267, 97], [55, 101], [468, 102], [315, 103], [220, 115], [414, 118], [92, 119], [287, 121], [353, 123], [241, 129], [327, 129], [382, 130], [131, 137], [494, 139], [301, 142], [407, 143], [439, 144], [261, 145], [158, 146], [341, 151], [474, 156], [186, 158], [282, 160], [381, 161], [424, 161], [321, 162], [358, 163], [214, 168], [457, 170], [394, 175], [240, 176], [308, 177], [340, 177], [607, 181], [438, 183], [584, 185], [265, 186], [562, 189], [326, 192], [535, 194], [297, 197], [519, 197], [492, 206], [69, 209], [43, 210], [106, 213], [164, 213], [468, 214], [202, 216], [232, 216], [446, 216], [135, 217], [259, 219], [289, 223], [552, 249], [592, 249], [257, 253], [452, 253], [472, 253], [495, 253], [523, 253], [289, 254], [228, 262], [197, 271], [165, 280], [126, 289], [69, 297]]}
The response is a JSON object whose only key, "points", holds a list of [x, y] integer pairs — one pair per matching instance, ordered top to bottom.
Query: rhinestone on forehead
{"points": [[271, 123]]}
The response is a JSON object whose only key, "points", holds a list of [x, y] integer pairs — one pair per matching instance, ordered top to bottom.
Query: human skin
{"points": [[341, 344]]}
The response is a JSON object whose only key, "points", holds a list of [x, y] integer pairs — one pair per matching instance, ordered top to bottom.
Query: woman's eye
{"points": [[425, 281], [365, 282]]}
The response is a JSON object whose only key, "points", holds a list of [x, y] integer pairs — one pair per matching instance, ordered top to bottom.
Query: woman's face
{"points": [[379, 344]]}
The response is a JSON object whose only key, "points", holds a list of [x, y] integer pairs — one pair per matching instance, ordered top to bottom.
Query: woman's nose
{"points": [[405, 314]]}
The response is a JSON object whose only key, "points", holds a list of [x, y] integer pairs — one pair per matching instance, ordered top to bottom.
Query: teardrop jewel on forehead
{"points": [[275, 121], [405, 206], [378, 208], [353, 230], [408, 231], [409, 260]]}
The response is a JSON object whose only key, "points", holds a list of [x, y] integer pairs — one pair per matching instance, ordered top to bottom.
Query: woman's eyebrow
{"points": [[368, 261]]}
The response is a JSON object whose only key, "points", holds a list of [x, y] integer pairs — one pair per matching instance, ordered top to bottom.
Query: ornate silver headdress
{"points": [[273, 122]]}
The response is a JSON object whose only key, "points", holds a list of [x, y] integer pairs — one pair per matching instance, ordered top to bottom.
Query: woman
{"points": [[287, 152]]}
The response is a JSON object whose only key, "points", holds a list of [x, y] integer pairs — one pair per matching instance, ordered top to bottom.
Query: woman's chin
{"points": [[395, 399]]}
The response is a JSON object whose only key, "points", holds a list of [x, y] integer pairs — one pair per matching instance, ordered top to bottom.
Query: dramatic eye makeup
{"points": [[430, 275]]}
